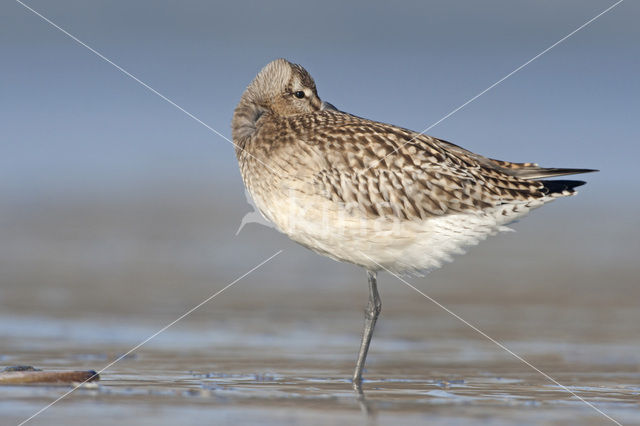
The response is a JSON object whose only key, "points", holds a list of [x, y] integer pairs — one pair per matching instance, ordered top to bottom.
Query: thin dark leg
{"points": [[370, 317]]}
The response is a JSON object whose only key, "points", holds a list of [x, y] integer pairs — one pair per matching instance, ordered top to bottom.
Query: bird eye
{"points": [[299, 94]]}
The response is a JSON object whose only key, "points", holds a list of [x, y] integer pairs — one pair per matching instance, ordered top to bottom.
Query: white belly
{"points": [[402, 246]]}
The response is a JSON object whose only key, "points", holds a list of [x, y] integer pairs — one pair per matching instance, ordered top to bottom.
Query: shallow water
{"points": [[83, 284], [270, 369]]}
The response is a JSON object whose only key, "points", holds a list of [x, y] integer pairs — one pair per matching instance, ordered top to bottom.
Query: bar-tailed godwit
{"points": [[370, 193]]}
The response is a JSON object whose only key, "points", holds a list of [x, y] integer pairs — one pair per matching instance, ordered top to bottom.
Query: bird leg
{"points": [[370, 317]]}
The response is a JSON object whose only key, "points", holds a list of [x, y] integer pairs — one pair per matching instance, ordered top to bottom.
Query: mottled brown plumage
{"points": [[379, 169], [371, 193]]}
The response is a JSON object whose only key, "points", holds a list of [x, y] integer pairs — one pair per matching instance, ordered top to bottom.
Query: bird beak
{"points": [[326, 106]]}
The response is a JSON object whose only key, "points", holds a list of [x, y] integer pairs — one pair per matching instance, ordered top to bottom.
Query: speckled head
{"points": [[282, 89]]}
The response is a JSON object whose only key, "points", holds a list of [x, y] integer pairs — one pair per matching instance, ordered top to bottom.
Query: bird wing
{"points": [[384, 170], [521, 170]]}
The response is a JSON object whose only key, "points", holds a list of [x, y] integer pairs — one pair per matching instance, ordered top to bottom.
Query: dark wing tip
{"points": [[578, 171], [535, 172], [561, 186]]}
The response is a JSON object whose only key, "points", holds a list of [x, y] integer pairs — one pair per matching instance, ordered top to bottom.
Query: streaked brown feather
{"points": [[428, 176]]}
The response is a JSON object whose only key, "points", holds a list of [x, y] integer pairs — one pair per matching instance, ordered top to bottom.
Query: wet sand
{"points": [[85, 280]]}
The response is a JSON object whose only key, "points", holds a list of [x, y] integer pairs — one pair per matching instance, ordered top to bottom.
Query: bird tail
{"points": [[531, 171], [561, 187]]}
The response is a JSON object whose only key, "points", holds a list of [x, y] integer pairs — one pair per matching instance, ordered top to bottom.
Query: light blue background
{"points": [[72, 123]]}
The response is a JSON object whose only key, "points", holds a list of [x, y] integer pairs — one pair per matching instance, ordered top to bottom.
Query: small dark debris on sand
{"points": [[24, 374]]}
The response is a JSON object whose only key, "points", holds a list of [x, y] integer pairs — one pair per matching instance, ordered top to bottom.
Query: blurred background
{"points": [[116, 206]]}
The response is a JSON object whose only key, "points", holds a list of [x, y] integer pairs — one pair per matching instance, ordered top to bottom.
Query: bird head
{"points": [[282, 89]]}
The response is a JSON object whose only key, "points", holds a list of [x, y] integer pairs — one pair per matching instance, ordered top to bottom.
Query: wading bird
{"points": [[369, 193]]}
